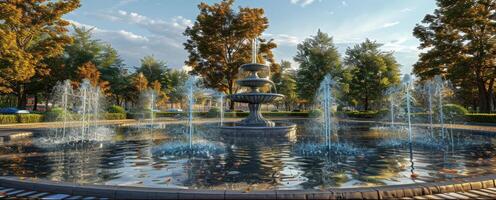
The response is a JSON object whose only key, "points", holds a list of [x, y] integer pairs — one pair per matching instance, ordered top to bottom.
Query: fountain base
{"points": [[237, 128]]}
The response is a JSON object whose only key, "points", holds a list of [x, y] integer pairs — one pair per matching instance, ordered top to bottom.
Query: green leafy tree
{"points": [[31, 31], [219, 42], [459, 43], [317, 57], [153, 69], [372, 72], [285, 81], [175, 89]]}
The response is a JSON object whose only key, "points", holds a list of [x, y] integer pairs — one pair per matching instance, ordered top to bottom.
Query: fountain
{"points": [[407, 81], [81, 108], [255, 122]]}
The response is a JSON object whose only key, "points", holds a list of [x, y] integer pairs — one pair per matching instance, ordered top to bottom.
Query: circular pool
{"points": [[156, 157]]}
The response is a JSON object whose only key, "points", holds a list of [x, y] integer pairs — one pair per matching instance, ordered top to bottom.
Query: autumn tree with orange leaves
{"points": [[31, 31], [219, 42]]}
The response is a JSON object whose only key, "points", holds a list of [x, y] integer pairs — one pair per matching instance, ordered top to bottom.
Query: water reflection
{"points": [[248, 163]]}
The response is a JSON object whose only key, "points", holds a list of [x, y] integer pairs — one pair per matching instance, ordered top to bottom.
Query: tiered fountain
{"points": [[255, 122]]}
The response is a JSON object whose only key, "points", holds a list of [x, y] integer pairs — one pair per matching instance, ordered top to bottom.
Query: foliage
{"points": [[31, 31], [219, 42], [459, 42], [317, 57], [152, 69], [90, 72], [372, 72], [177, 78], [140, 82], [285, 82], [116, 109], [454, 109], [213, 112], [315, 113], [55, 114], [234, 114], [364, 114], [114, 116], [29, 118], [482, 118], [8, 119]]}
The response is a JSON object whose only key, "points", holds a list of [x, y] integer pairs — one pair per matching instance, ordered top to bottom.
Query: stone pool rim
{"points": [[129, 192]]}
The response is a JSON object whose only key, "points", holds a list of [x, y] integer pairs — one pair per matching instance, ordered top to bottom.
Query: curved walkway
{"points": [[471, 188]]}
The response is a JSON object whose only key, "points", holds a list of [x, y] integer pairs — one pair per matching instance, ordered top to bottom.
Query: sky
{"points": [[137, 28]]}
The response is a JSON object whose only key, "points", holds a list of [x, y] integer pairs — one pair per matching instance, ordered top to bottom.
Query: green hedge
{"points": [[116, 109], [226, 114], [363, 114], [114, 116], [21, 118], [29, 118], [482, 118], [8, 119]]}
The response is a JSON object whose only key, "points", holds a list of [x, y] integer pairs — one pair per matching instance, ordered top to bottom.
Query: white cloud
{"points": [[303, 3], [344, 3], [406, 10], [390, 24], [173, 27], [132, 36], [283, 39], [400, 45], [132, 47]]}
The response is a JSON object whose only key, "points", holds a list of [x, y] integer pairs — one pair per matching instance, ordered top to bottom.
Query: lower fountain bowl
{"points": [[255, 98], [280, 128]]}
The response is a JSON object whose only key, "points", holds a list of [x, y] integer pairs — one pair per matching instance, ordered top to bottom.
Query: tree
{"points": [[31, 31], [219, 42], [459, 42], [84, 49], [317, 57], [152, 69], [114, 71], [90, 72], [372, 72], [177, 79], [285, 81], [140, 82]]}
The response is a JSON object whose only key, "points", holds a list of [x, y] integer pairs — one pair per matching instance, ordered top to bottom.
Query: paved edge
{"points": [[124, 192]]}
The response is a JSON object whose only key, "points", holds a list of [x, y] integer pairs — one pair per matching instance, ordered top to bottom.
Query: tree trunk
{"points": [[231, 91], [485, 96], [21, 97], [366, 102], [35, 106]]}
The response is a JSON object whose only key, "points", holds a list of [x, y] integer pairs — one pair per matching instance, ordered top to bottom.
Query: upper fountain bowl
{"points": [[253, 67], [254, 82], [255, 98]]}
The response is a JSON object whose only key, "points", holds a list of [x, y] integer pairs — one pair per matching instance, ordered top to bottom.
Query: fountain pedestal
{"points": [[255, 122]]}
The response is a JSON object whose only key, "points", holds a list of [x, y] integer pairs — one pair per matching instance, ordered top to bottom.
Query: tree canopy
{"points": [[219, 42], [459, 43], [317, 57], [372, 72]]}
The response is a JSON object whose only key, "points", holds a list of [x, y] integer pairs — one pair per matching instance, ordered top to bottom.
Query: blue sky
{"points": [[144, 27]]}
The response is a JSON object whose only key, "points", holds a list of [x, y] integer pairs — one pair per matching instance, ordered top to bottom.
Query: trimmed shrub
{"points": [[116, 109], [454, 109], [213, 112], [315, 113], [55, 114], [285, 114], [114, 116], [29, 118], [482, 118], [8, 119]]}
